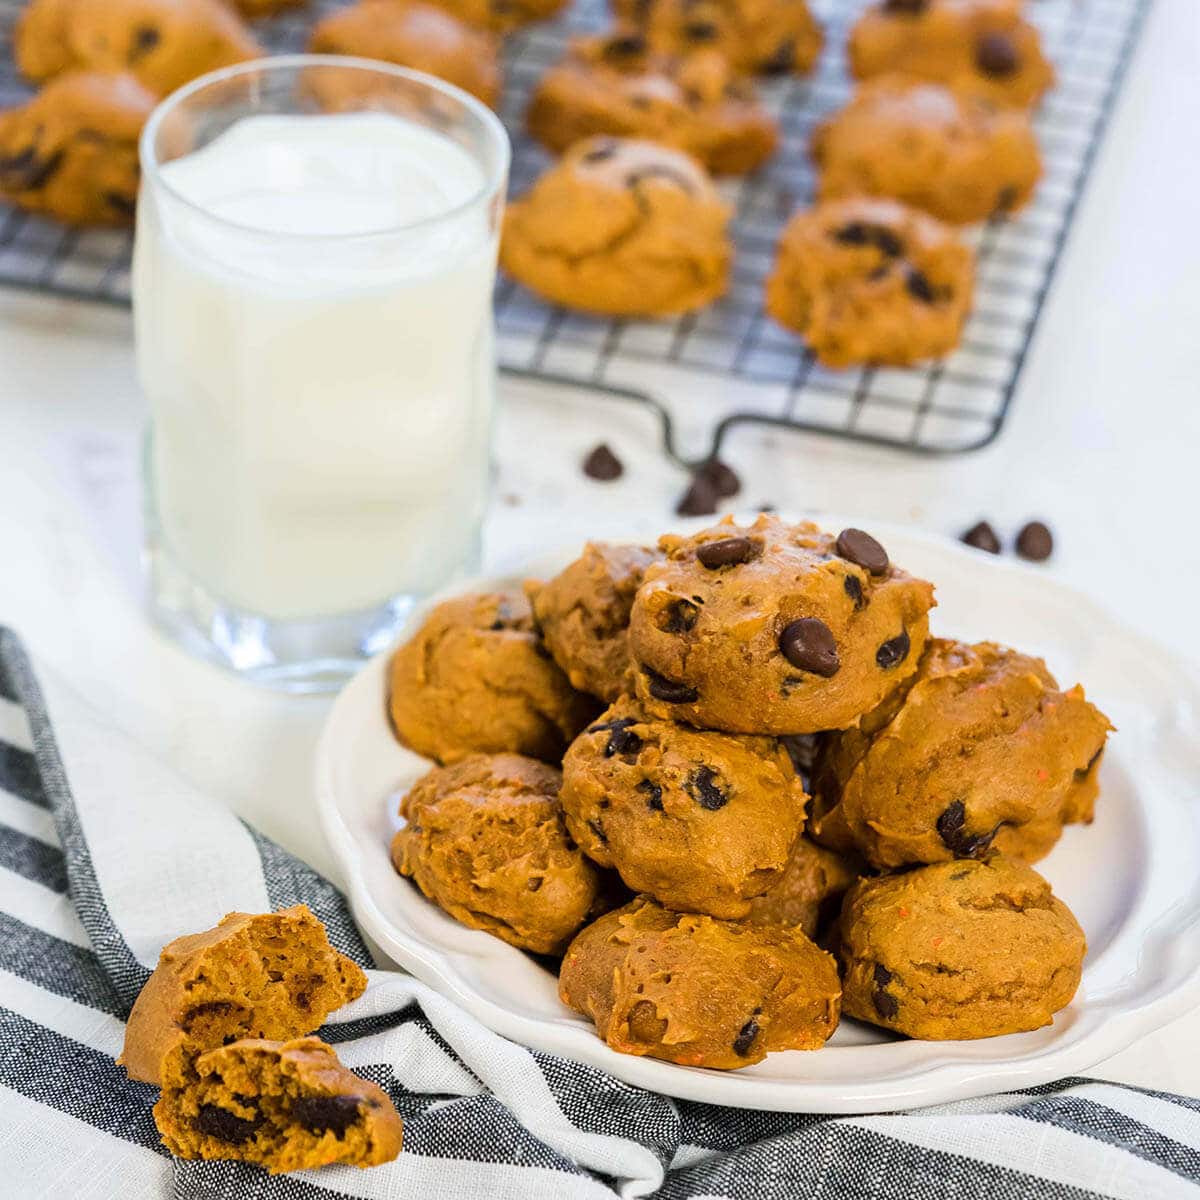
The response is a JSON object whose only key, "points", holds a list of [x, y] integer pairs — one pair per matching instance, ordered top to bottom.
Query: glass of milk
{"points": [[313, 271]]}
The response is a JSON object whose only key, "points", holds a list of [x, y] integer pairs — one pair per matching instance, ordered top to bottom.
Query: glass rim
{"points": [[151, 166]]}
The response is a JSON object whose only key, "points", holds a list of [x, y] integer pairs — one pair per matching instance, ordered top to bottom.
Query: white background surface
{"points": [[1103, 442]]}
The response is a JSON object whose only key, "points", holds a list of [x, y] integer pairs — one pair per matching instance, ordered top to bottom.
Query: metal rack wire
{"points": [[705, 373]]}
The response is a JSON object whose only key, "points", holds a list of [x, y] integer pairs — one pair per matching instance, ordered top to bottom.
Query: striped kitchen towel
{"points": [[105, 855]]}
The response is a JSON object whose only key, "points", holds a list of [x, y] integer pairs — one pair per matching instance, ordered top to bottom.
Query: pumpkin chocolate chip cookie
{"points": [[416, 35], [764, 37], [163, 43], [984, 45], [618, 86], [72, 150], [954, 154], [621, 227], [871, 281], [583, 614], [774, 628], [476, 678], [978, 749], [701, 821], [485, 840], [959, 950], [694, 990], [286, 1105]]}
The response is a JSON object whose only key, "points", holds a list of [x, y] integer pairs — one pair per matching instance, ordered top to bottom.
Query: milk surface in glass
{"points": [[315, 341]]}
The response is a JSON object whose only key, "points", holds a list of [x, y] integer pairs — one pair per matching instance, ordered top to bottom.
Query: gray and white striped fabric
{"points": [[105, 855]]}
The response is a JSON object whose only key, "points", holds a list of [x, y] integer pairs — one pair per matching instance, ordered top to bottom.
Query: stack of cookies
{"points": [[706, 908]]}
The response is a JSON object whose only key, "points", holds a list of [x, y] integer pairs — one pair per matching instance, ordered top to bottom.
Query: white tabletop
{"points": [[1103, 442]]}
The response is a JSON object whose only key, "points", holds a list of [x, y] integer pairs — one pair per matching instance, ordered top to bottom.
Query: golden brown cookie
{"points": [[503, 16], [416, 35], [765, 37], [164, 43], [984, 45], [617, 85], [72, 150], [954, 154], [621, 227], [871, 281], [583, 615], [774, 628], [475, 678], [979, 749], [701, 821], [485, 840], [809, 892], [959, 950], [271, 975], [698, 991], [287, 1106]]}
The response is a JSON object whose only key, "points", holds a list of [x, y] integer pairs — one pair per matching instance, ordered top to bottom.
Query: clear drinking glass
{"points": [[313, 270]]}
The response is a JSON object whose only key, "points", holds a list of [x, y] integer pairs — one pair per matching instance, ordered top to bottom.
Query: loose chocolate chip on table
{"points": [[996, 55], [919, 287], [603, 464], [721, 476], [700, 500], [983, 537], [1035, 542], [860, 548], [728, 552], [853, 588], [679, 617], [808, 644], [893, 651], [668, 690], [702, 787], [653, 793], [950, 828], [885, 1005], [745, 1038], [319, 1114], [216, 1122]]}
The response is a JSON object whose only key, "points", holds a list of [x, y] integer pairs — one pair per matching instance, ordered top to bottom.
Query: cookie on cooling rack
{"points": [[502, 16], [409, 34], [763, 37], [164, 43], [985, 45], [618, 85], [72, 150], [954, 154], [621, 227], [871, 281], [775, 628], [978, 749], [959, 950], [698, 991]]}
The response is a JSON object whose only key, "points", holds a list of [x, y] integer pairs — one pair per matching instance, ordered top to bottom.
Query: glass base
{"points": [[314, 655]]}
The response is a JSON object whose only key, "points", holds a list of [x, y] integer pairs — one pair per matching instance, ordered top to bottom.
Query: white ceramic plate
{"points": [[1131, 877]]}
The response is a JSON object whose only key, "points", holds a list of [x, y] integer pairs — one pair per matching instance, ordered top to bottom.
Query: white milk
{"points": [[321, 404]]}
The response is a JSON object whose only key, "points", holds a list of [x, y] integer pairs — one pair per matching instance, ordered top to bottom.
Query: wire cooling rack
{"points": [[729, 364]]}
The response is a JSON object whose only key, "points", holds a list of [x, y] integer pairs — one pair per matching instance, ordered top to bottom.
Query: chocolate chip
{"points": [[909, 7], [700, 31], [145, 38], [625, 45], [995, 55], [782, 61], [605, 150], [25, 172], [1005, 199], [125, 205], [862, 233], [918, 286], [603, 464], [721, 476], [700, 500], [983, 537], [1035, 542], [860, 548], [728, 552], [852, 586], [679, 617], [808, 644], [893, 651], [668, 690], [623, 741], [702, 787], [653, 793], [950, 828], [882, 975], [886, 1005], [745, 1038], [320, 1114], [216, 1122]]}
